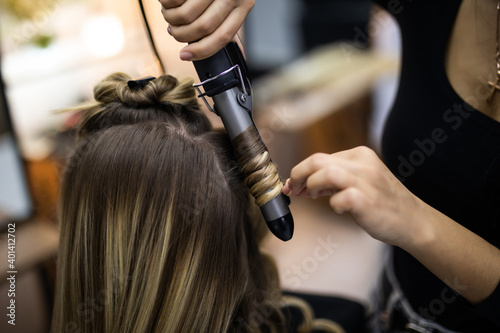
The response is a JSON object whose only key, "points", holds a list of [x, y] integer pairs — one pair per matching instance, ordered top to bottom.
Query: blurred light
{"points": [[103, 36]]}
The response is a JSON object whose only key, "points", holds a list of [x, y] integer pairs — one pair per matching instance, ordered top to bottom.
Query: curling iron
{"points": [[224, 77]]}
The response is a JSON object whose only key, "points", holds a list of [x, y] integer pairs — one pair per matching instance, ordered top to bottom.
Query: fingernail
{"points": [[169, 30], [185, 56], [286, 189]]}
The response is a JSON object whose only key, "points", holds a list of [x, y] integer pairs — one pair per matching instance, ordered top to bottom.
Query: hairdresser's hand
{"points": [[212, 23], [358, 182]]}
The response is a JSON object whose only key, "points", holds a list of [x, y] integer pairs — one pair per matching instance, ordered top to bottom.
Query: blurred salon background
{"points": [[324, 75]]}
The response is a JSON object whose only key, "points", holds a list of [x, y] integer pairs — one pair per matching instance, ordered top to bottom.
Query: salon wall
{"points": [[88, 40]]}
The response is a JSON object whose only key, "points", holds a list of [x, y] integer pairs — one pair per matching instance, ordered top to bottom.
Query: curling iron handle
{"points": [[211, 67]]}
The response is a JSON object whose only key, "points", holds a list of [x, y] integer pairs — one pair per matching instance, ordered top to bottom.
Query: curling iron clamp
{"points": [[224, 77]]}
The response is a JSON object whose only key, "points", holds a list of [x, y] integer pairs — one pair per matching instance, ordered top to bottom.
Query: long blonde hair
{"points": [[158, 232]]}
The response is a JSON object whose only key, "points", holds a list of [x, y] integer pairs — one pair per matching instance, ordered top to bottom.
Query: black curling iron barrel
{"points": [[224, 77]]}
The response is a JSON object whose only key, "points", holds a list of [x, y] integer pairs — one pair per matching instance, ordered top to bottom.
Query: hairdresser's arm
{"points": [[212, 23], [358, 182]]}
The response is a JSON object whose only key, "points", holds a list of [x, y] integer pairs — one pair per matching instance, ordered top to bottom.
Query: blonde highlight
{"points": [[261, 174]]}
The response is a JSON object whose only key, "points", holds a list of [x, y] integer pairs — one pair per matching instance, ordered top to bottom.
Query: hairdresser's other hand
{"points": [[212, 23], [358, 182]]}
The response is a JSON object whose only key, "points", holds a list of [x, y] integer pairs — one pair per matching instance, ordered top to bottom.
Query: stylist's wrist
{"points": [[421, 229]]}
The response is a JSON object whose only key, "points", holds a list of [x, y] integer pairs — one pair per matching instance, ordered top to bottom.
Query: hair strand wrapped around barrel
{"points": [[261, 174]]}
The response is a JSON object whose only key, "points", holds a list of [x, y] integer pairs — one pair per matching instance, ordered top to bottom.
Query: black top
{"points": [[445, 152], [348, 314]]}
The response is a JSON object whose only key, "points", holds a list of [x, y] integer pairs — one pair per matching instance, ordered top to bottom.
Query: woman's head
{"points": [[159, 232], [156, 233]]}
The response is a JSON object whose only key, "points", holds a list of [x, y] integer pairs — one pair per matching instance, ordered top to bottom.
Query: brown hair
{"points": [[261, 174], [158, 232]]}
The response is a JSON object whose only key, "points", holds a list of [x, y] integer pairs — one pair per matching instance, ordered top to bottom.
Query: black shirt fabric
{"points": [[446, 153], [350, 315]]}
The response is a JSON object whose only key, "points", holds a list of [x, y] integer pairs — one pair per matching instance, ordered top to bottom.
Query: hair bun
{"points": [[164, 89], [165, 99]]}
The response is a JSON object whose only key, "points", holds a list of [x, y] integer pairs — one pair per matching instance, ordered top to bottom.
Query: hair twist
{"points": [[162, 90], [162, 99], [261, 174]]}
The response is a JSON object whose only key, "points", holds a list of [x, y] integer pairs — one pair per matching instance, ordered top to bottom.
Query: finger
{"points": [[167, 4], [187, 12], [202, 26], [212, 43], [360, 153], [314, 163], [300, 173], [329, 179], [286, 188], [303, 193], [326, 193], [348, 200]]}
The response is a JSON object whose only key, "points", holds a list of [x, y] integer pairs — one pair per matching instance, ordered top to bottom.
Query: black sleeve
{"points": [[382, 3], [395, 7], [490, 308], [350, 315]]}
